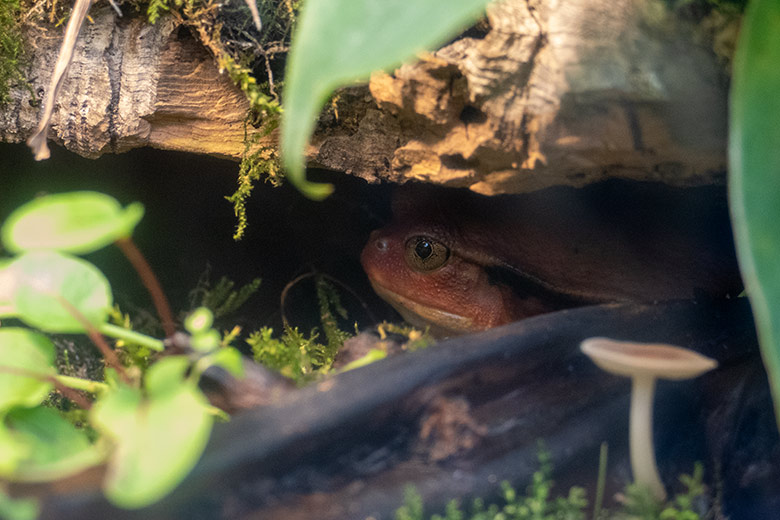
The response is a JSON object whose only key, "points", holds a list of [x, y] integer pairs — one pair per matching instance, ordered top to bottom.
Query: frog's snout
{"points": [[378, 241], [376, 254]]}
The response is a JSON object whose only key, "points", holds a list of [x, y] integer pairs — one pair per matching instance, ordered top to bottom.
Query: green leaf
{"points": [[340, 41], [754, 174], [77, 222], [49, 283], [7, 288], [199, 320], [205, 341], [22, 353], [374, 354], [229, 359], [166, 375], [158, 438], [56, 448], [13, 449], [18, 508]]}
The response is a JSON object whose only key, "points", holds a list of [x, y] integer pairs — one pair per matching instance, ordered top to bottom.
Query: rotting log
{"points": [[552, 93], [458, 418]]}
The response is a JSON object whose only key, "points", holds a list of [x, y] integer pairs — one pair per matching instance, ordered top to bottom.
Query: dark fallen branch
{"points": [[459, 417]]}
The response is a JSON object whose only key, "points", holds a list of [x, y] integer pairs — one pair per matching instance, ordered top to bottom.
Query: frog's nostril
{"points": [[381, 244]]}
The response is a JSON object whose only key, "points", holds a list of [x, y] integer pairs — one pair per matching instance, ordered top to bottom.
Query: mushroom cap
{"points": [[630, 359]]}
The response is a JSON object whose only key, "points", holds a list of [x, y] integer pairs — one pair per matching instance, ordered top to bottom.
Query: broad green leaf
{"points": [[340, 41], [754, 174], [77, 222], [48, 283], [7, 288], [205, 341], [24, 353], [230, 359], [166, 375], [158, 439], [56, 448], [13, 449], [18, 508]]}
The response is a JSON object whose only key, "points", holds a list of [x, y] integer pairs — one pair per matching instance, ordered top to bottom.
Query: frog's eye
{"points": [[425, 254]]}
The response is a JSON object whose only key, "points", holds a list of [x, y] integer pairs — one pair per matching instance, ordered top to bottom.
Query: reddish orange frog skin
{"points": [[461, 262]]}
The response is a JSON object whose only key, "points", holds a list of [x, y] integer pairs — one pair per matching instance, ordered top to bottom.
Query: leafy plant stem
{"points": [[149, 279], [131, 336], [108, 353], [77, 383], [60, 386], [72, 394], [219, 413], [600, 481]]}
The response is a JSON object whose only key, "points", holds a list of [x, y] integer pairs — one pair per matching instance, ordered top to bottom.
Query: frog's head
{"points": [[417, 264]]}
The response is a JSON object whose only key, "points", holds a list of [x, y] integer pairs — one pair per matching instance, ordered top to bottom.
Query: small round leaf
{"points": [[77, 222], [50, 285], [7, 288], [199, 320], [24, 353], [229, 359], [166, 375], [158, 440], [56, 448], [13, 450], [18, 508]]}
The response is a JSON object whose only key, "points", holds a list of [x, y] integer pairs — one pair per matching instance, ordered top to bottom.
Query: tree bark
{"points": [[131, 84], [554, 93]]}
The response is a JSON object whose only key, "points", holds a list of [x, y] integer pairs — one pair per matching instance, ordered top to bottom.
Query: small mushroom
{"points": [[644, 363]]}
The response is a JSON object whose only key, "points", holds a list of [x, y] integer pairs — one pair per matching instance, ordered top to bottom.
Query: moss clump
{"points": [[11, 48], [240, 49], [257, 162], [221, 298], [299, 357], [538, 502]]}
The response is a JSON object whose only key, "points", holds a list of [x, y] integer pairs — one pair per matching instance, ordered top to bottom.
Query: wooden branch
{"points": [[132, 84], [554, 93]]}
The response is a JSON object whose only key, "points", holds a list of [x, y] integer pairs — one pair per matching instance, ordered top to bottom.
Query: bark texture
{"points": [[131, 84], [554, 92]]}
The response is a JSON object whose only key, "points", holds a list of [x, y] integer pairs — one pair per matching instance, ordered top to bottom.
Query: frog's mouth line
{"points": [[441, 323]]}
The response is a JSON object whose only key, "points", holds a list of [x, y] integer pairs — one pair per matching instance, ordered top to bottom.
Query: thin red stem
{"points": [[151, 283], [108, 353], [69, 393], [73, 395]]}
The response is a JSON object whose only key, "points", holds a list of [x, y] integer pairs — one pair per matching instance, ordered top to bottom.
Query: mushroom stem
{"points": [[644, 363], [641, 436]]}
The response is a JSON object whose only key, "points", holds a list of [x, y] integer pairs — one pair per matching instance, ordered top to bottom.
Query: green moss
{"points": [[157, 8], [223, 30], [11, 48], [258, 162], [221, 298], [413, 339], [131, 355], [297, 356], [538, 503]]}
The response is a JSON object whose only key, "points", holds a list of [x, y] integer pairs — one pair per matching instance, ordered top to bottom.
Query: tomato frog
{"points": [[460, 262]]}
